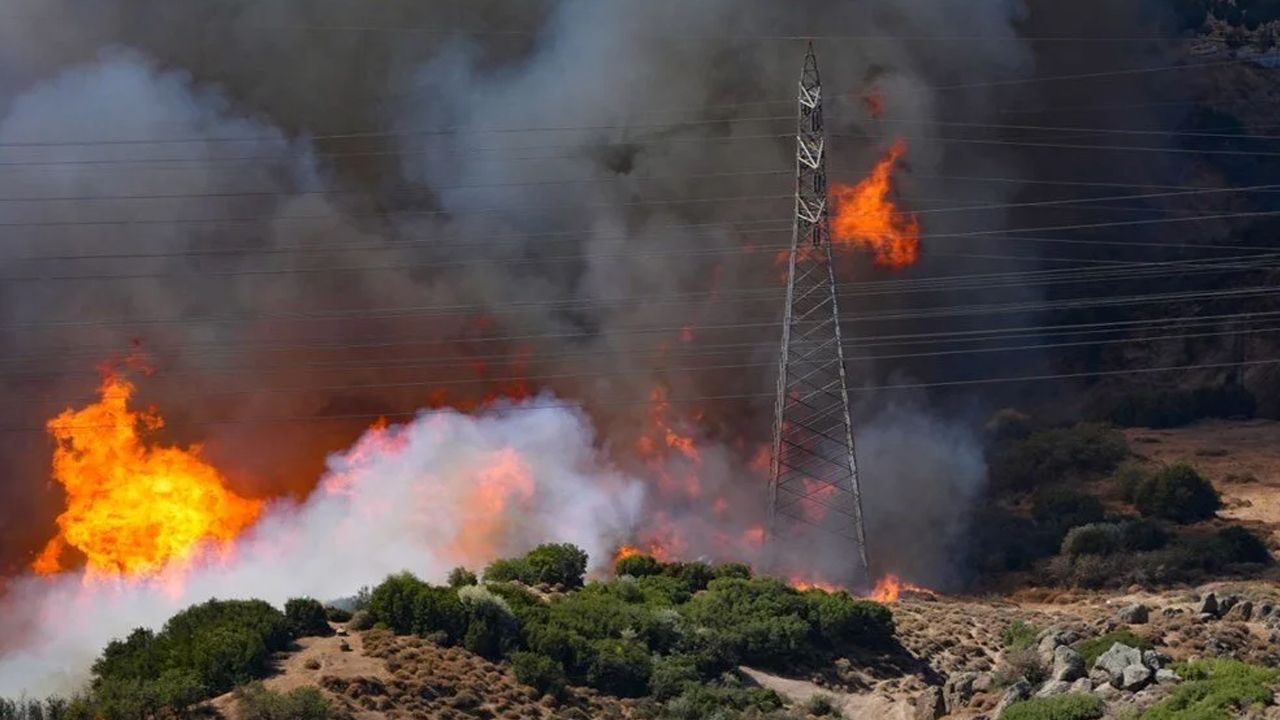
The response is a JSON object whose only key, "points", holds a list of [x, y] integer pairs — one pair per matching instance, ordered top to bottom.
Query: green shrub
{"points": [[1051, 456], [1128, 479], [1177, 493], [1060, 509], [1131, 536], [1142, 536], [1095, 539], [1242, 546], [562, 564], [638, 566], [508, 570], [741, 571], [695, 576], [461, 577], [662, 590], [393, 601], [439, 610], [337, 614], [307, 618], [361, 620], [760, 621], [842, 621], [491, 630], [1019, 635], [217, 645], [1090, 649], [1024, 663], [620, 667], [539, 672], [672, 675], [1214, 689], [722, 700], [257, 703], [821, 705], [1071, 706]]}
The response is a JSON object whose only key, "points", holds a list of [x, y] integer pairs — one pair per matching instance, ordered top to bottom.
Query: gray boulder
{"points": [[1226, 603], [1208, 605], [1239, 612], [1135, 614], [1051, 641], [1115, 660], [1067, 664], [1165, 676], [1135, 677], [1083, 685], [1053, 687], [957, 691], [1017, 692], [1106, 692], [930, 705]]}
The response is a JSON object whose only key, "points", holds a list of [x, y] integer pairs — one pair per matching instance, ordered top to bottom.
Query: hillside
{"points": [[686, 640]]}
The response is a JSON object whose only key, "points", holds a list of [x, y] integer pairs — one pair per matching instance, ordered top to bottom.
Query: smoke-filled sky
{"points": [[309, 214]]}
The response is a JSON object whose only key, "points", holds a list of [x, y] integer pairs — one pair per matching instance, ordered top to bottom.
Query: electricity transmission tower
{"points": [[813, 486]]}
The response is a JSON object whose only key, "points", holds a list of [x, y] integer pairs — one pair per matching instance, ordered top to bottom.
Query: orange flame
{"points": [[865, 217], [133, 507], [655, 550], [804, 585], [890, 588]]}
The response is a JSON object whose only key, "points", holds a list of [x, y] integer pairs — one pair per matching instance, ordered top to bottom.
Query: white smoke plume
{"points": [[444, 490]]}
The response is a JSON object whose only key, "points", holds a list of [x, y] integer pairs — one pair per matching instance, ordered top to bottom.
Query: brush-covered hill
{"points": [[1128, 574]]}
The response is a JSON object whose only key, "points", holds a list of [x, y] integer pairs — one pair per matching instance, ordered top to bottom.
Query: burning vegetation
{"points": [[865, 216], [133, 506]]}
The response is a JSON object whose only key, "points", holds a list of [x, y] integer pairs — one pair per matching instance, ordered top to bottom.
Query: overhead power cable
{"points": [[904, 286], [536, 405]]}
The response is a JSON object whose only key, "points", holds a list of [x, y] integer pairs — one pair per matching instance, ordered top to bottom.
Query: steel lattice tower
{"points": [[814, 474]]}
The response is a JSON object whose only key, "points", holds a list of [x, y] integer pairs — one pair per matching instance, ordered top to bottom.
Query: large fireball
{"points": [[133, 507]]}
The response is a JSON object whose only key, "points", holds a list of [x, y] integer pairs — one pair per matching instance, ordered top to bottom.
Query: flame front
{"points": [[865, 217], [133, 507], [890, 587]]}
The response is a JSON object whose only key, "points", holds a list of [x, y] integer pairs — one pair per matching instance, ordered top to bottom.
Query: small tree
{"points": [[1177, 493], [561, 564], [638, 566], [461, 577], [393, 601], [307, 618], [620, 667], [539, 672]]}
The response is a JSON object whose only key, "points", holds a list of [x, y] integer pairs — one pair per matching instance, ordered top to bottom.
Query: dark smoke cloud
{"points": [[399, 213]]}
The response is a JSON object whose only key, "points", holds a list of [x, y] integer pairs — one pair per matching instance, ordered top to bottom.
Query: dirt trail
{"points": [[314, 658], [861, 705]]}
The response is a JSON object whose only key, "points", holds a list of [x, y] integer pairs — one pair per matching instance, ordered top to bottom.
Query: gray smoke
{"points": [[326, 170], [442, 491]]}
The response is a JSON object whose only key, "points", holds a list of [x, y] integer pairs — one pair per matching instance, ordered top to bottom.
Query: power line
{"points": [[1065, 146], [237, 194], [1010, 233], [941, 283], [974, 310], [708, 351], [659, 370], [578, 407]]}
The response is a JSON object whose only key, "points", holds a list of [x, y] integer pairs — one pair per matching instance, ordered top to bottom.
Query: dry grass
{"points": [[427, 680]]}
